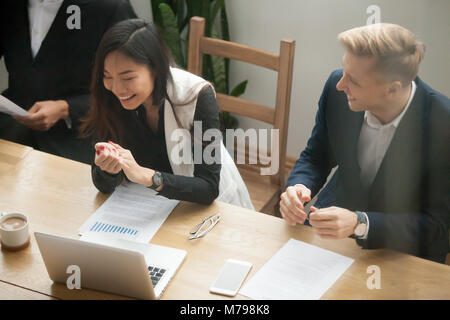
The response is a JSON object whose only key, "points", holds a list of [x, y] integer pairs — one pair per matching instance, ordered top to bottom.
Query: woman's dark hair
{"points": [[142, 42]]}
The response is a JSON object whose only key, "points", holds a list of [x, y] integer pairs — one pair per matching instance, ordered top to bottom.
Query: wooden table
{"points": [[58, 196], [13, 292]]}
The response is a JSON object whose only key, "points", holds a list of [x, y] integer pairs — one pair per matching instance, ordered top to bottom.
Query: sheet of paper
{"points": [[9, 107], [132, 212], [298, 271]]}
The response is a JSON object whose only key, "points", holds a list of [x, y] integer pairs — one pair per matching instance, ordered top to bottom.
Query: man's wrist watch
{"points": [[157, 180], [361, 227]]}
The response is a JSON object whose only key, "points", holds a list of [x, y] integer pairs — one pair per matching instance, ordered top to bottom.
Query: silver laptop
{"points": [[112, 265]]}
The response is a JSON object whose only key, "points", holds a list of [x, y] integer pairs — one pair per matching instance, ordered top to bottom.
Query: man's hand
{"points": [[44, 114], [291, 204], [333, 222]]}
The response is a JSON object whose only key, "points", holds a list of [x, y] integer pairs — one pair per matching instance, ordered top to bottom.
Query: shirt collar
{"points": [[38, 2], [373, 121]]}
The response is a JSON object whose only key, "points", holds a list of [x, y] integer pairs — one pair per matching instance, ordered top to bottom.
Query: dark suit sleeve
{"points": [[123, 11], [79, 102], [78, 106], [317, 159], [422, 233]]}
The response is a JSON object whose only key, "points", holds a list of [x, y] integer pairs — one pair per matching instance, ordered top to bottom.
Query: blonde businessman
{"points": [[388, 134]]}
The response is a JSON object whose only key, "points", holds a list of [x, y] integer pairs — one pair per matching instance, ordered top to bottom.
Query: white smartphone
{"points": [[230, 278]]}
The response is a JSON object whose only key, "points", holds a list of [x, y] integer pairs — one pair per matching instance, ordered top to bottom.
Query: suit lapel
{"points": [[23, 30], [57, 35], [344, 129], [351, 136], [397, 175]]}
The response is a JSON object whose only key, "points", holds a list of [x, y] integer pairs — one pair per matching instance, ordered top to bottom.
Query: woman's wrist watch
{"points": [[157, 180], [361, 226]]}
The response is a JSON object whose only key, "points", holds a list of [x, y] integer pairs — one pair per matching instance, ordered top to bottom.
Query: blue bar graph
{"points": [[110, 228]]}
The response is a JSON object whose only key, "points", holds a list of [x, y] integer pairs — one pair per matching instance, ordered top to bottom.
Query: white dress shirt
{"points": [[41, 14], [374, 140]]}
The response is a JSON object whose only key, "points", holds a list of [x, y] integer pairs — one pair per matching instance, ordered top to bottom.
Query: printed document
{"points": [[9, 107], [132, 212], [298, 271]]}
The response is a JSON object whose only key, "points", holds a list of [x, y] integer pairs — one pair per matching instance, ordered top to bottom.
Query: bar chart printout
{"points": [[132, 212], [104, 227]]}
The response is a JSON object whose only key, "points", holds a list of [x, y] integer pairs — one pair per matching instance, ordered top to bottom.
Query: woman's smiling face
{"points": [[130, 82]]}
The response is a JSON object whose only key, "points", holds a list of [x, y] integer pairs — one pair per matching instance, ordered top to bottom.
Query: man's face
{"points": [[363, 85]]}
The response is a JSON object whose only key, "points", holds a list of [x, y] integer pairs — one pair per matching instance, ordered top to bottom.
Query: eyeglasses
{"points": [[204, 227]]}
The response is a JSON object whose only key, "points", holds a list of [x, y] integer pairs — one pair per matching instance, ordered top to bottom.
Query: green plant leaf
{"points": [[194, 7], [200, 8], [215, 9], [181, 13], [206, 13], [173, 16], [157, 19], [224, 24], [170, 33], [226, 37], [208, 73], [239, 89], [227, 121]]}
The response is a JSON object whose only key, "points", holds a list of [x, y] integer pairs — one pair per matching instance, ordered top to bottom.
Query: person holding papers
{"points": [[49, 47], [152, 122], [388, 134]]}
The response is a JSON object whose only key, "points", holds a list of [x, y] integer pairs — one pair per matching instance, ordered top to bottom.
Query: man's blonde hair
{"points": [[396, 50]]}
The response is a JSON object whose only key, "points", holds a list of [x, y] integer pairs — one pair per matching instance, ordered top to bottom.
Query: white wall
{"points": [[314, 24]]}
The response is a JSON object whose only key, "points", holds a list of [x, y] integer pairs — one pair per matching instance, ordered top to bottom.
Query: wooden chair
{"points": [[264, 190]]}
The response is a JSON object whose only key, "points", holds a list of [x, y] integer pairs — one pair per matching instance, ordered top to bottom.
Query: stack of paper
{"points": [[9, 107], [298, 271]]}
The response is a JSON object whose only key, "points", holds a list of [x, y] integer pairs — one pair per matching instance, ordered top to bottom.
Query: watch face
{"points": [[157, 179], [360, 229]]}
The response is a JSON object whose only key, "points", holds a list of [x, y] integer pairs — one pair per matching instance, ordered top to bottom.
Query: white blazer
{"points": [[186, 87]]}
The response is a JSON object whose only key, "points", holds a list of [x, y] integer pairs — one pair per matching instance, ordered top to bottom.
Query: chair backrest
{"points": [[282, 63]]}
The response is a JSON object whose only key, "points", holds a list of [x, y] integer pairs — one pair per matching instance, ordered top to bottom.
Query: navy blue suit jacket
{"points": [[408, 204]]}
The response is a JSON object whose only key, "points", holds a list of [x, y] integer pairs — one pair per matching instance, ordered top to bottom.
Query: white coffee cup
{"points": [[14, 236]]}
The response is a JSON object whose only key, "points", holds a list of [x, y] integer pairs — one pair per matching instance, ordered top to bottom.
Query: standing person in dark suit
{"points": [[49, 48], [388, 133]]}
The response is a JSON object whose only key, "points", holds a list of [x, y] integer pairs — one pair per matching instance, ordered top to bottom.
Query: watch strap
{"points": [[156, 180], [362, 218]]}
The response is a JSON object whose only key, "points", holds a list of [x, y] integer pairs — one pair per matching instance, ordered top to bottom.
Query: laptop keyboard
{"points": [[156, 274]]}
